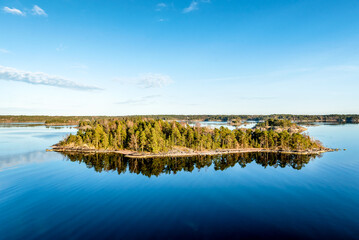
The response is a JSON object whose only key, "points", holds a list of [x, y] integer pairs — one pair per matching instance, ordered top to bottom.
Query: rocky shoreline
{"points": [[177, 153]]}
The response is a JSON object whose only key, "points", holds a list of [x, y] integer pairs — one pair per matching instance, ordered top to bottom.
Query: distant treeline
{"points": [[345, 118], [51, 120], [70, 120], [149, 135], [173, 165]]}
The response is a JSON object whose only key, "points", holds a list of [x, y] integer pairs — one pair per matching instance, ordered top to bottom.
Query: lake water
{"points": [[48, 195]]}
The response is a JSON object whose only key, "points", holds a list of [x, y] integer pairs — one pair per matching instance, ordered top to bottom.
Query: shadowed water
{"points": [[173, 165], [48, 195]]}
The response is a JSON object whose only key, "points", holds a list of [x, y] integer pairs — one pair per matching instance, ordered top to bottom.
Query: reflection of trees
{"points": [[173, 165]]}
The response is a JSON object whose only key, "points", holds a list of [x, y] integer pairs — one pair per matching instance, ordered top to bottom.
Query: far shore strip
{"points": [[132, 154]]}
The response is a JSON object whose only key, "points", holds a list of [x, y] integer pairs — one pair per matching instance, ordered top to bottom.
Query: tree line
{"points": [[74, 120], [155, 136]]}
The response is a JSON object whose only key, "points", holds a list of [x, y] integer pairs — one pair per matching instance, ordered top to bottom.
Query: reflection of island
{"points": [[172, 165]]}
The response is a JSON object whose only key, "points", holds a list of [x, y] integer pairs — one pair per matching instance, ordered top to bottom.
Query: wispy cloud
{"points": [[161, 6], [192, 7], [36, 10], [14, 11], [61, 48], [2, 50], [80, 66], [343, 68], [273, 74], [287, 74], [39, 78], [148, 80], [154, 80], [141, 101]]}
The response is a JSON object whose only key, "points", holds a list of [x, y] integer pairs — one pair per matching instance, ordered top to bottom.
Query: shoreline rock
{"points": [[132, 154]]}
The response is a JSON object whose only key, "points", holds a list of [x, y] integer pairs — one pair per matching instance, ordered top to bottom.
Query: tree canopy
{"points": [[158, 136]]}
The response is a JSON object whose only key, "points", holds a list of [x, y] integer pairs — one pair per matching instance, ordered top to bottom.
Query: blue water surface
{"points": [[45, 195]]}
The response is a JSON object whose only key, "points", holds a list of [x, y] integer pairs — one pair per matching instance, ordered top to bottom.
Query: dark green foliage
{"points": [[276, 123], [161, 136], [173, 165]]}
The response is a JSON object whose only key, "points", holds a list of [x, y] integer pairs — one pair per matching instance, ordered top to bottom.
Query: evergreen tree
{"points": [[160, 136]]}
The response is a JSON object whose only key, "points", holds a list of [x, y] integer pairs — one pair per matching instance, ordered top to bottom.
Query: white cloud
{"points": [[161, 6], [193, 6], [36, 10], [14, 11], [61, 48], [2, 50], [80, 66], [343, 68], [39, 78], [148, 80], [153, 80]]}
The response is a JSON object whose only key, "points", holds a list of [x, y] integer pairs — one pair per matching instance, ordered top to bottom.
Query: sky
{"points": [[130, 57]]}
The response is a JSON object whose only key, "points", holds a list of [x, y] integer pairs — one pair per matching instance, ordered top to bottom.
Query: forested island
{"points": [[279, 126], [143, 137]]}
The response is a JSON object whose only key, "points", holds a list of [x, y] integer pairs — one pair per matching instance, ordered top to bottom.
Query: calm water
{"points": [[55, 196]]}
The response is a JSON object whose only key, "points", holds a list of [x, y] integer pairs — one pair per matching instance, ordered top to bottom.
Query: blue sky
{"points": [[90, 57]]}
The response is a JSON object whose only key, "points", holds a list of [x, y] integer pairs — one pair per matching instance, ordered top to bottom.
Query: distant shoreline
{"points": [[40, 123], [132, 154]]}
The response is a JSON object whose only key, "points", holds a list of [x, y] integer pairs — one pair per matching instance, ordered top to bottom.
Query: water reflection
{"points": [[35, 124], [18, 125], [22, 159], [173, 165]]}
